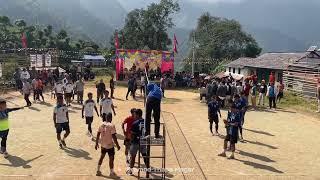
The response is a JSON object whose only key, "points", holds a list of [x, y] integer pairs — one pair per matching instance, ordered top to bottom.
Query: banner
{"points": [[138, 59], [33, 60], [39, 60], [47, 60], [0, 69]]}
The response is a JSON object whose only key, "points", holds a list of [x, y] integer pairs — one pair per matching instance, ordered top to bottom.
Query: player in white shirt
{"points": [[58, 89], [68, 89], [106, 105], [87, 111], [61, 121]]}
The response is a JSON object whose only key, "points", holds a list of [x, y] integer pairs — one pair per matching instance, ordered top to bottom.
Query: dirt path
{"points": [[280, 145]]}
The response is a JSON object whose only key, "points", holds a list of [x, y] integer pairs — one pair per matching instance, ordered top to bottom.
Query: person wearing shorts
{"points": [[58, 89], [68, 89], [106, 105], [213, 110], [87, 111], [61, 121], [232, 124], [127, 133], [137, 133], [107, 135]]}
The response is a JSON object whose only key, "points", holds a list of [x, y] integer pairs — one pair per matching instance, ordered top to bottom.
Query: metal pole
{"points": [[193, 51]]}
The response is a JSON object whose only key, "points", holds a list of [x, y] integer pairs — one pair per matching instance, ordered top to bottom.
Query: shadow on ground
{"points": [[259, 132], [260, 144], [77, 153], [256, 156], [16, 161], [260, 166]]}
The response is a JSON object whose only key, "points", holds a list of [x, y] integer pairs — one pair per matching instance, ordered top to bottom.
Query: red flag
{"points": [[24, 40], [116, 43], [175, 44]]}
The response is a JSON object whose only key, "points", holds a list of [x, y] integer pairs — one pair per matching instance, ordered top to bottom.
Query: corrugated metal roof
{"points": [[268, 61]]}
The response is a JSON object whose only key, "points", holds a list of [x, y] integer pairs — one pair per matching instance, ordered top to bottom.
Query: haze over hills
{"points": [[277, 25]]}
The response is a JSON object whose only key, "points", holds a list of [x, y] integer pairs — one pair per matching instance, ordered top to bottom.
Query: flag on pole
{"points": [[24, 40], [116, 43], [175, 44]]}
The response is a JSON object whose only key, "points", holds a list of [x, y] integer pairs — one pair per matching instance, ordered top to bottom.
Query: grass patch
{"points": [[105, 79], [293, 101]]}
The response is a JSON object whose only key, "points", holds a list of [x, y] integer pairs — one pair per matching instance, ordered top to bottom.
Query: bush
{"points": [[103, 71]]}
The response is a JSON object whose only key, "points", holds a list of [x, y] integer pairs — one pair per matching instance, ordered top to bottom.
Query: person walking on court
{"points": [[79, 86], [112, 86], [101, 88], [131, 88], [26, 90], [153, 106], [213, 110], [87, 112], [61, 121], [107, 136]]}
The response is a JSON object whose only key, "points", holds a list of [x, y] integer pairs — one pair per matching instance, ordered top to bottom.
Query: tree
{"points": [[147, 28], [219, 39]]}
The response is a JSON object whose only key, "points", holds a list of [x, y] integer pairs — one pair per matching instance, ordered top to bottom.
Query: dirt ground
{"points": [[279, 144]]}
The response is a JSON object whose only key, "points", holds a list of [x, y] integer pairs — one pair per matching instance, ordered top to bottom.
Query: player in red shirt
{"points": [[127, 132]]}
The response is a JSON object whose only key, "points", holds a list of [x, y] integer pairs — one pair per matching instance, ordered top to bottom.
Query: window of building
{"points": [[229, 69], [234, 70], [239, 70]]}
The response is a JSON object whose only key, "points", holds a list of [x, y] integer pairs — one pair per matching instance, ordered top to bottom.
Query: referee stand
{"points": [[158, 145]]}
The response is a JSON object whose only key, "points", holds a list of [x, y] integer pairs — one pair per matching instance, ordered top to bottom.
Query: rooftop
{"points": [[268, 60]]}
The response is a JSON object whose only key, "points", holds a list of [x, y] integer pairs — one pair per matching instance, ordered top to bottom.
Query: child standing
{"points": [[87, 110], [213, 110], [61, 121], [232, 124], [4, 125], [107, 132]]}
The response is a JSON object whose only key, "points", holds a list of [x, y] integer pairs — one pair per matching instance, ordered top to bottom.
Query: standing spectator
{"points": [[33, 73], [56, 73], [24, 75], [44, 77], [17, 78], [50, 78], [272, 78], [143, 84], [163, 84], [112, 86], [131, 86], [79, 88], [101, 88], [239, 88], [280, 88], [26, 89], [39, 89], [246, 89], [262, 92], [35, 93], [222, 93], [253, 93], [272, 94], [318, 95]]}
